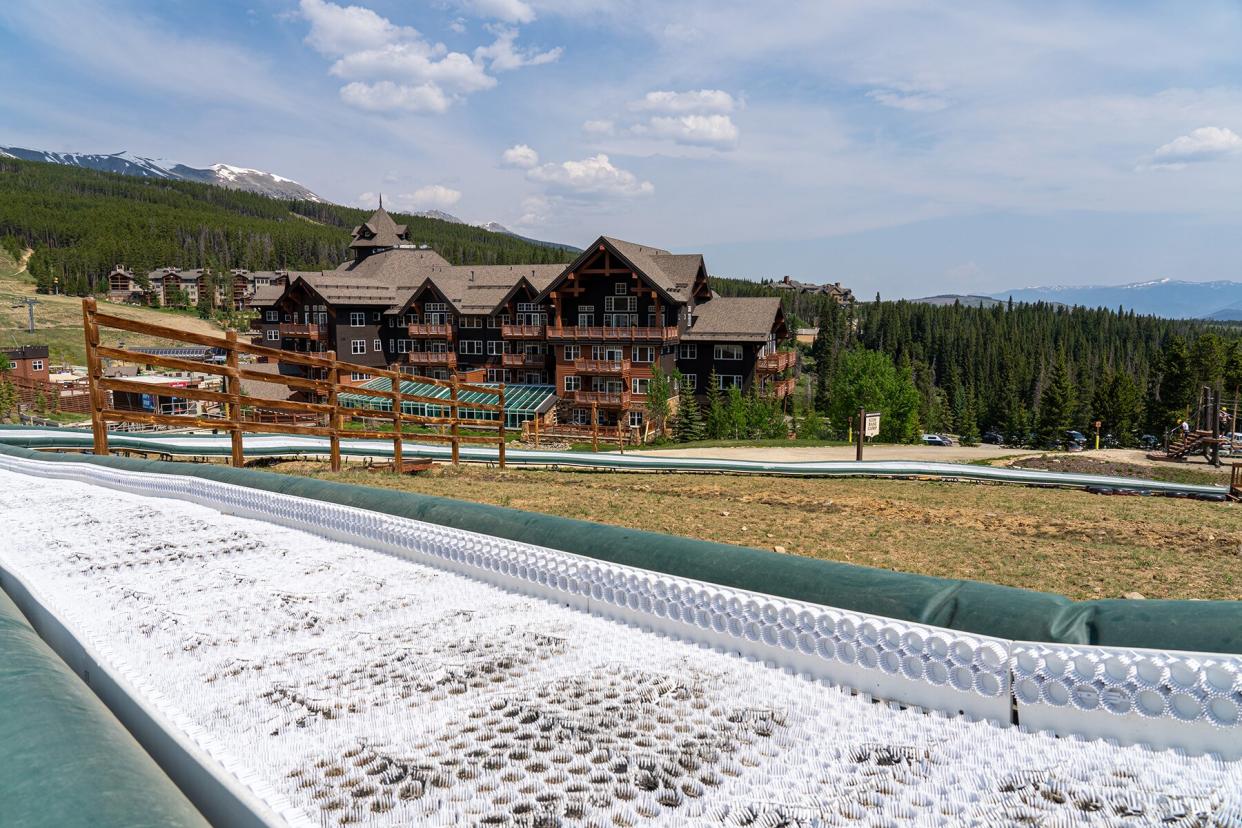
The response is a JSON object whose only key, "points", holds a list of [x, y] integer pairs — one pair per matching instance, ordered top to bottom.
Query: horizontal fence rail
{"points": [[321, 416]]}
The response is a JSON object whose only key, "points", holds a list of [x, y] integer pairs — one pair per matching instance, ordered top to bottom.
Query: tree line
{"points": [[81, 223], [1029, 372]]}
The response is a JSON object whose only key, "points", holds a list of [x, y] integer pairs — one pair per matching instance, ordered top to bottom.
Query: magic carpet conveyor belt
{"points": [[262, 445], [303, 662]]}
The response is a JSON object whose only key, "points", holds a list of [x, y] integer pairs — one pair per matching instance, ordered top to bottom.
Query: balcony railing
{"points": [[431, 330], [311, 331], [523, 331], [609, 334], [447, 359], [525, 360], [775, 363], [601, 366], [784, 388], [602, 398]]}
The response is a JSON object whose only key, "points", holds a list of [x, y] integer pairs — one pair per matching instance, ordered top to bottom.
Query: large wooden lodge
{"points": [[594, 328]]}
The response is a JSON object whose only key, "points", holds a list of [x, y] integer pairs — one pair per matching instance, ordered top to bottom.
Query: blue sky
{"points": [[897, 146]]}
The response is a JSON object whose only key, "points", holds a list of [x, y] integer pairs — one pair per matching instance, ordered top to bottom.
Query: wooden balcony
{"points": [[431, 330], [311, 331], [523, 331], [603, 333], [442, 359], [525, 360], [776, 363], [602, 367], [784, 388], [603, 399]]}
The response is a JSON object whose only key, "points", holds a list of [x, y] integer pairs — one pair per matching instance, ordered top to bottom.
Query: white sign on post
{"points": [[872, 426]]}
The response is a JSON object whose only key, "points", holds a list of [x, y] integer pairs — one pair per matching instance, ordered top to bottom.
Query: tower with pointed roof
{"points": [[377, 233]]}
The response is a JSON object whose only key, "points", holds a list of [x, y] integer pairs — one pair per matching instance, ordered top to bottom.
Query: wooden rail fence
{"points": [[322, 416]]}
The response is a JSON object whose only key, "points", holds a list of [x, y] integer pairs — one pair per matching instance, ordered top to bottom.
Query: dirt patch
{"points": [[1083, 464], [1071, 542]]}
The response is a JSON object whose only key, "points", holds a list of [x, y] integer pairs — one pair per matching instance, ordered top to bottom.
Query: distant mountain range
{"points": [[223, 175], [1170, 298], [966, 299]]}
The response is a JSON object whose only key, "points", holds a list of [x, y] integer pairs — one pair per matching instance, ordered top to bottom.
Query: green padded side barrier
{"points": [[987, 609], [64, 760]]}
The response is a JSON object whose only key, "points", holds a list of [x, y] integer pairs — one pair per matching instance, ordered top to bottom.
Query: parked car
{"points": [[994, 438], [936, 440], [1075, 440], [1110, 441], [1149, 441]]}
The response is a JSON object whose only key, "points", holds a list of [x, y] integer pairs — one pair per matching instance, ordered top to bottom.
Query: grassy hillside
{"points": [[81, 222], [58, 319]]}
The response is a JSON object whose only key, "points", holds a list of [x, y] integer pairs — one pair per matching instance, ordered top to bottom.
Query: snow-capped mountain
{"points": [[222, 175], [1170, 298]]}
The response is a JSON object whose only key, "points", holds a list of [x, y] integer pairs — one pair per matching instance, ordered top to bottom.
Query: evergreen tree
{"points": [[866, 379], [1176, 389], [659, 391], [1056, 406], [1119, 407], [717, 416], [736, 418], [688, 421]]}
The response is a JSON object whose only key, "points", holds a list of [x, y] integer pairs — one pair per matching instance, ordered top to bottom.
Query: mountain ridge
{"points": [[1166, 297]]}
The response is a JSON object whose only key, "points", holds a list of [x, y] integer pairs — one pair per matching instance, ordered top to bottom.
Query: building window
{"points": [[620, 288], [620, 304], [436, 313], [272, 316], [586, 316], [288, 317], [375, 317], [357, 319], [470, 322], [273, 335], [358, 346], [377, 346], [470, 346], [496, 347], [688, 351], [573, 352], [727, 352], [644, 353], [36, 365], [497, 375], [357, 377], [690, 381], [727, 381], [573, 383], [639, 385], [580, 416], [636, 419]]}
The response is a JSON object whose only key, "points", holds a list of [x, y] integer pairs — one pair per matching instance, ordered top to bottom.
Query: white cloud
{"points": [[510, 11], [458, 26], [339, 30], [504, 57], [394, 68], [387, 96], [701, 100], [909, 100], [600, 127], [698, 130], [1202, 144], [520, 156], [594, 176], [433, 195], [536, 210]]}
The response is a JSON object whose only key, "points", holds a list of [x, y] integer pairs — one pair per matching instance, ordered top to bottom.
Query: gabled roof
{"points": [[380, 230], [672, 274], [267, 295], [735, 319]]}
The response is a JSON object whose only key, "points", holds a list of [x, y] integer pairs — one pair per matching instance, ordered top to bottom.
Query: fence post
{"points": [[94, 374], [234, 392], [453, 414], [334, 417], [538, 417], [501, 425], [594, 427], [621, 432], [398, 462]]}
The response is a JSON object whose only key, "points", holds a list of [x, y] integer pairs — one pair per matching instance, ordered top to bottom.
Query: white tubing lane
{"points": [[369, 689]]}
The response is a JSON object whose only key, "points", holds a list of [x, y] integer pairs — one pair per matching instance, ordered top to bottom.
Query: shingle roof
{"points": [[383, 231], [266, 295], [734, 319], [273, 390]]}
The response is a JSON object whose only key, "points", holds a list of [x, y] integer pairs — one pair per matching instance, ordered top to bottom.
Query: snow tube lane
{"points": [[263, 445], [355, 667], [65, 761]]}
